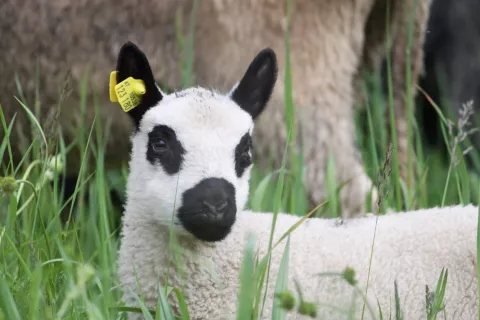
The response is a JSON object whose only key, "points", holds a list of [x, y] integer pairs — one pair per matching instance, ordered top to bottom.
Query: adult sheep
{"points": [[332, 43], [452, 65], [190, 164]]}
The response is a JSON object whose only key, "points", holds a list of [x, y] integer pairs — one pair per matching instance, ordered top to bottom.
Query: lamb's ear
{"points": [[132, 62], [253, 91]]}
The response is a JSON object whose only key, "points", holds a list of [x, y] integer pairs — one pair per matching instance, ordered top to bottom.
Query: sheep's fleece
{"points": [[332, 43], [189, 180], [410, 247]]}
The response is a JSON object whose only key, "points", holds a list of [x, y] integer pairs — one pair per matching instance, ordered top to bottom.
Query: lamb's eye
{"points": [[158, 144], [243, 155], [246, 158]]}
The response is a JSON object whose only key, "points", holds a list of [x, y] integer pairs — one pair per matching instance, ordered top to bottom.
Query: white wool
{"points": [[409, 247]]}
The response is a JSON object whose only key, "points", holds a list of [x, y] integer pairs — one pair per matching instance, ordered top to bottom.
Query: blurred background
{"points": [[64, 146]]}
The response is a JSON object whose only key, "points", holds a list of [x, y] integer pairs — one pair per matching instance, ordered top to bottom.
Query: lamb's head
{"points": [[191, 150]]}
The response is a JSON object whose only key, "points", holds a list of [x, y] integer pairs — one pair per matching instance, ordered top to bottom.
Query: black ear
{"points": [[132, 62], [254, 90]]}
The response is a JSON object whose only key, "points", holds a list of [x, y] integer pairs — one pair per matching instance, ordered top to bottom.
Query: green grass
{"points": [[51, 271]]}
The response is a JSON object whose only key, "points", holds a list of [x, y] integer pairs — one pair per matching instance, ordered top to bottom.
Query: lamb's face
{"points": [[191, 151], [193, 155]]}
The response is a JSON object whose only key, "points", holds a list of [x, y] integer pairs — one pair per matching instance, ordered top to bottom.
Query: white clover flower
{"points": [[55, 164], [49, 174], [85, 272]]}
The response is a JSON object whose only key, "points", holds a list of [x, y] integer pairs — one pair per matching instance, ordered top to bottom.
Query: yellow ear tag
{"points": [[127, 93]]}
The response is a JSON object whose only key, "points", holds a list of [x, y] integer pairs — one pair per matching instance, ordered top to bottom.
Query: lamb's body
{"points": [[331, 41], [190, 166], [409, 247]]}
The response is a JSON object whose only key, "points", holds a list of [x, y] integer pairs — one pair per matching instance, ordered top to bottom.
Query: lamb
{"points": [[332, 44], [188, 180]]}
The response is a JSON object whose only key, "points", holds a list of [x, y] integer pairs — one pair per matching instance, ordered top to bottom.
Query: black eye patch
{"points": [[163, 148], [242, 156]]}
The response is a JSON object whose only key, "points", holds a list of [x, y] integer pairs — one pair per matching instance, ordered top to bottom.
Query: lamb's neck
{"points": [[159, 236], [162, 244]]}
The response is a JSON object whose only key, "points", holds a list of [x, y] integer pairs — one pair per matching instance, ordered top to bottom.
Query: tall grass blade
{"points": [[282, 283], [246, 295], [8, 305]]}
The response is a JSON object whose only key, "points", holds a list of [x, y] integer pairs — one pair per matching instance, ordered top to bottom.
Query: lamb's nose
{"points": [[216, 208]]}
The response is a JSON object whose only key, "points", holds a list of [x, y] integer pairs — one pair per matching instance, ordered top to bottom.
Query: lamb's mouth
{"points": [[207, 227]]}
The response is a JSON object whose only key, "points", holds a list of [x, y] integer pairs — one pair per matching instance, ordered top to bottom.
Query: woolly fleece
{"points": [[332, 43], [410, 247]]}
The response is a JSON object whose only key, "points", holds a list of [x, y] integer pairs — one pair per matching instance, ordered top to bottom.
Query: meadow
{"points": [[56, 270]]}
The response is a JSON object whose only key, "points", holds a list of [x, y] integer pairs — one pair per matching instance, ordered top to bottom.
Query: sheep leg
{"points": [[397, 14], [404, 90], [322, 131], [328, 134]]}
